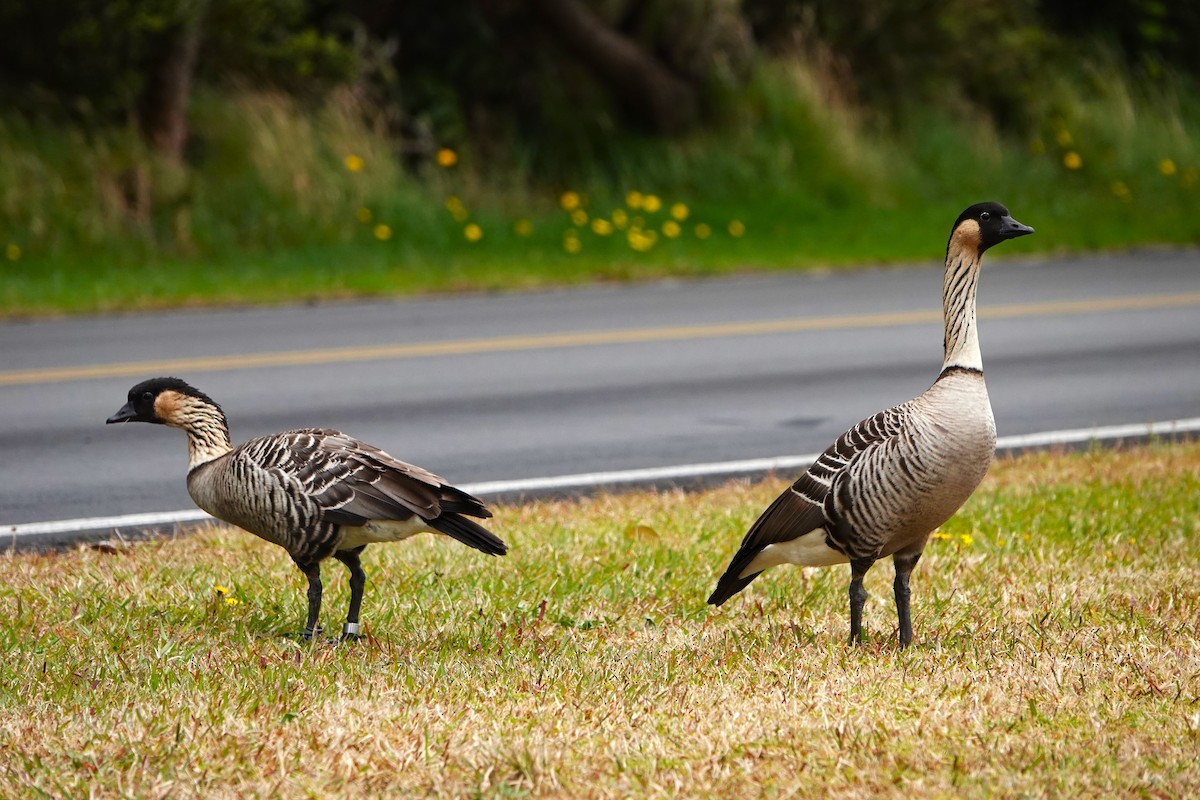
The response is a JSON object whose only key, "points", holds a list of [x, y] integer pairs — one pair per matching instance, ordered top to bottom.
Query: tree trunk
{"points": [[164, 102], [664, 102]]}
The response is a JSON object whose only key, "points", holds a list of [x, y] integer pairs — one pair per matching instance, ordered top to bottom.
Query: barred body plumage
{"points": [[889, 481], [315, 492]]}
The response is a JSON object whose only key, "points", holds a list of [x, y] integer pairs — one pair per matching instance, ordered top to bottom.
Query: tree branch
{"points": [[663, 101]]}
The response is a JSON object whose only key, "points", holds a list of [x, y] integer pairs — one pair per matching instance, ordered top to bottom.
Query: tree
{"points": [[138, 60], [167, 86], [660, 99]]}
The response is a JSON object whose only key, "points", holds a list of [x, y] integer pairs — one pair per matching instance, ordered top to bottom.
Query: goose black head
{"points": [[983, 225], [156, 400]]}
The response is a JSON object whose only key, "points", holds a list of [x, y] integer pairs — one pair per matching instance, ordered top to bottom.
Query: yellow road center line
{"points": [[507, 344]]}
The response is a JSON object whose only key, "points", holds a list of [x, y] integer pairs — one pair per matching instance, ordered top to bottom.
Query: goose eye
{"points": [[985, 216], [148, 397]]}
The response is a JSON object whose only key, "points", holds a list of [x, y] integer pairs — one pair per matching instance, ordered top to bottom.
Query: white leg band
{"points": [[350, 629]]}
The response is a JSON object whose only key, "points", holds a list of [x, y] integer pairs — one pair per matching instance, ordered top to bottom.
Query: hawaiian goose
{"points": [[893, 478], [316, 493]]}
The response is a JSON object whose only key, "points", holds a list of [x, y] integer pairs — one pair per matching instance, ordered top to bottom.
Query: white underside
{"points": [[380, 531], [808, 550]]}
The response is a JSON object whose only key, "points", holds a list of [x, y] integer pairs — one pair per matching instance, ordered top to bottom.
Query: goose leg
{"points": [[904, 568], [313, 573], [358, 580], [858, 597]]}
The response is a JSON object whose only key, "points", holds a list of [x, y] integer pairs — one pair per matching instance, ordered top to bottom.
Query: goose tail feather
{"points": [[470, 533]]}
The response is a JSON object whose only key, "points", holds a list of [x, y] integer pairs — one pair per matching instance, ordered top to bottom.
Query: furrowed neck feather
{"points": [[961, 343], [205, 426]]}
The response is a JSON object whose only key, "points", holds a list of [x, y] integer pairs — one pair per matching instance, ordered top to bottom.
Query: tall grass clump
{"points": [[1130, 147], [1110, 159], [263, 171], [66, 190], [279, 198]]}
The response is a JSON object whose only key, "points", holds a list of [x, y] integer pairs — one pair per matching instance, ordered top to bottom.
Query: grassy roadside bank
{"points": [[286, 202], [1058, 654]]}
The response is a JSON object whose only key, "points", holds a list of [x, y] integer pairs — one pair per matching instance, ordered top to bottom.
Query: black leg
{"points": [[904, 568], [313, 573], [358, 580], [858, 597]]}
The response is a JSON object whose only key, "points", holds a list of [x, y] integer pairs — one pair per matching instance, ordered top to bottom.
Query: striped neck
{"points": [[958, 308], [205, 426]]}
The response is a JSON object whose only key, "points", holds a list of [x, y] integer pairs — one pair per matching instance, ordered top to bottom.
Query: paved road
{"points": [[493, 387]]}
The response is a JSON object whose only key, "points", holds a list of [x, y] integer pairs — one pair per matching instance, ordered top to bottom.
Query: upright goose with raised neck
{"points": [[887, 483], [315, 492]]}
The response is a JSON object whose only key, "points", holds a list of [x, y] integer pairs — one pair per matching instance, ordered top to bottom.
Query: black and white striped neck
{"points": [[961, 343], [206, 428]]}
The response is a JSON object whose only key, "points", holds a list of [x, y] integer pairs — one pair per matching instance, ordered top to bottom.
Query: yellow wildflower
{"points": [[1063, 137], [446, 158], [1072, 160], [354, 163], [1167, 167], [1122, 191], [633, 199], [570, 201], [652, 203], [457, 209], [680, 211], [363, 215], [579, 217], [620, 219], [601, 227], [737, 228], [671, 229], [703, 231], [382, 232], [473, 232], [641, 240], [572, 244], [966, 539], [219, 589], [232, 601]]}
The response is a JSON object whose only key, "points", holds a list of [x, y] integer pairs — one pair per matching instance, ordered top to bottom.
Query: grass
{"points": [[281, 202], [1057, 654]]}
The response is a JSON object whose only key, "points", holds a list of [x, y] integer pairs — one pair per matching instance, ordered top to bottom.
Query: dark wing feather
{"points": [[354, 482], [803, 507], [788, 517], [469, 533]]}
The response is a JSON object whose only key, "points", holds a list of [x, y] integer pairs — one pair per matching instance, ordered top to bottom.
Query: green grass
{"points": [[269, 209], [1057, 654]]}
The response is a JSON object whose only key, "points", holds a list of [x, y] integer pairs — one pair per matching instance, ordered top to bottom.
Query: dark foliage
{"points": [[1150, 33], [95, 58], [488, 72]]}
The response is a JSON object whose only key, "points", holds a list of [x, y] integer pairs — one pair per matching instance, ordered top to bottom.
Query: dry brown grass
{"points": [[1057, 655]]}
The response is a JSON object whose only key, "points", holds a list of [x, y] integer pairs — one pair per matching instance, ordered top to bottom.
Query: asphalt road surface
{"points": [[491, 387]]}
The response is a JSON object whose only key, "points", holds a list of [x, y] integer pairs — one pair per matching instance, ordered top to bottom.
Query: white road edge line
{"points": [[620, 477]]}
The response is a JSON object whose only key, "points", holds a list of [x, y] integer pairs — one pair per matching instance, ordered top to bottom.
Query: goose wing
{"points": [[352, 482], [811, 503]]}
